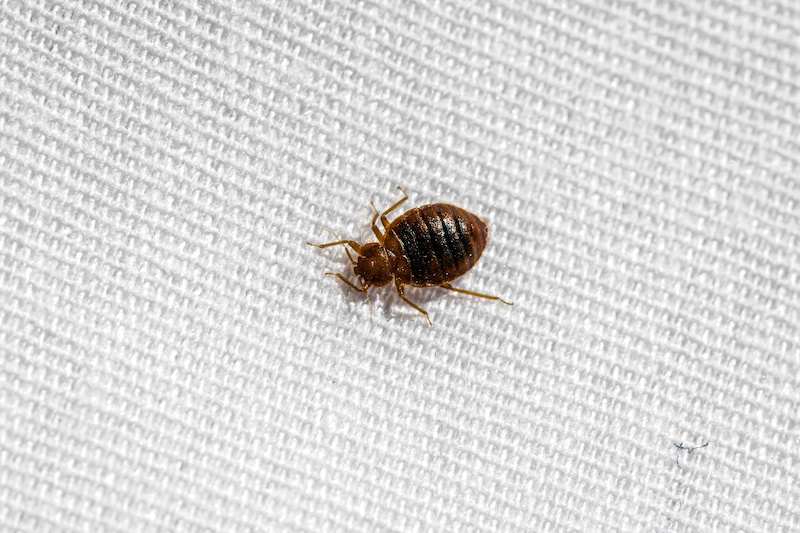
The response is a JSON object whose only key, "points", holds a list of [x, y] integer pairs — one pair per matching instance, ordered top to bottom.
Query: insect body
{"points": [[428, 246]]}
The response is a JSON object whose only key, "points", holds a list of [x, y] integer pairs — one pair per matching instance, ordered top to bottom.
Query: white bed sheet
{"points": [[174, 360]]}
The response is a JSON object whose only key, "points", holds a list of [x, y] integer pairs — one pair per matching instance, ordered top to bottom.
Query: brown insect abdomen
{"points": [[434, 244]]}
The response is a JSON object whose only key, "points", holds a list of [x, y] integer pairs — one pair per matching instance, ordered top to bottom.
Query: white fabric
{"points": [[174, 360]]}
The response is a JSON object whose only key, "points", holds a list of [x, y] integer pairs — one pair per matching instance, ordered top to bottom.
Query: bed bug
{"points": [[428, 246]]}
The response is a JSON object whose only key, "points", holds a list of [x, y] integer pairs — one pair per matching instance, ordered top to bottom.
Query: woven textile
{"points": [[173, 358]]}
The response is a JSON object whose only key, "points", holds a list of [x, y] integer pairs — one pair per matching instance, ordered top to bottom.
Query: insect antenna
{"points": [[363, 288]]}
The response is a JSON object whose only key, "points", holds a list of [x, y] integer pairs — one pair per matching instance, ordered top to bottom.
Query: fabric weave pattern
{"points": [[174, 360]]}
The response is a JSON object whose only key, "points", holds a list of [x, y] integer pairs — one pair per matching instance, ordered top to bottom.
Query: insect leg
{"points": [[384, 220], [375, 229], [345, 280], [451, 288], [362, 289], [409, 302]]}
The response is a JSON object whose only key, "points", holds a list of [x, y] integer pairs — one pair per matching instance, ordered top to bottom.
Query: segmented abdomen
{"points": [[435, 244]]}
